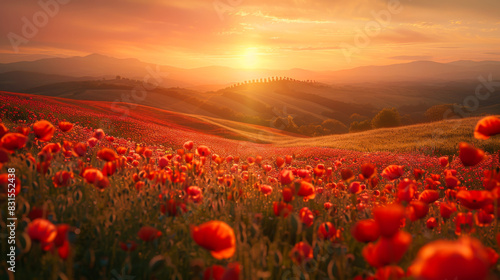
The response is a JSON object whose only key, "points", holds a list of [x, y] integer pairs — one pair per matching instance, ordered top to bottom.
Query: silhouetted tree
{"points": [[440, 112], [388, 117], [333, 126], [360, 126]]}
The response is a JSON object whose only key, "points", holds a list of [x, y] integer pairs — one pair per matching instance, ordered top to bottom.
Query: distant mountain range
{"points": [[27, 74], [295, 100]]}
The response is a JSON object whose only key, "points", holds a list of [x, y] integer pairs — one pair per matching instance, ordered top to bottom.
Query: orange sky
{"points": [[257, 33]]}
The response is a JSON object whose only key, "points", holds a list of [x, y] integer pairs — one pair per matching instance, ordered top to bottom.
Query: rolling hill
{"points": [[97, 65], [295, 100], [264, 102], [173, 128]]}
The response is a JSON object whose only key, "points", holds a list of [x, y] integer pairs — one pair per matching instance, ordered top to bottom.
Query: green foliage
{"points": [[440, 112], [388, 117], [333, 126], [360, 126]]}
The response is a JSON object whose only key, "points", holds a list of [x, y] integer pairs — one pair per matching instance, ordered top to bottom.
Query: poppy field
{"points": [[142, 199]]}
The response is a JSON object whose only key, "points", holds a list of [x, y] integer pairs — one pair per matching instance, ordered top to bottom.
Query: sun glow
{"points": [[250, 59]]}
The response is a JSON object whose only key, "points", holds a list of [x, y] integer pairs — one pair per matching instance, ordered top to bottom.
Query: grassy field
{"points": [[438, 138], [139, 201]]}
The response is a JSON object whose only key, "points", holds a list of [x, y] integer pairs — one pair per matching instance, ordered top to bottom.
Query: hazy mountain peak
{"points": [[96, 55]]}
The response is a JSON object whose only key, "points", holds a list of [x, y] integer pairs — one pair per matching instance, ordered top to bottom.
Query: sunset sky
{"points": [[256, 33]]}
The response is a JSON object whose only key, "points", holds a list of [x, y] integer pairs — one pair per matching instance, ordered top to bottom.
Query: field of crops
{"points": [[141, 199]]}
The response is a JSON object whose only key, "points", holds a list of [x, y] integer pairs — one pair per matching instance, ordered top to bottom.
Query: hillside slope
{"points": [[161, 126], [430, 138]]}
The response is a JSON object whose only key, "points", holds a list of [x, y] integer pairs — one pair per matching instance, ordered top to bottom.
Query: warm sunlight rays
{"points": [[250, 59]]}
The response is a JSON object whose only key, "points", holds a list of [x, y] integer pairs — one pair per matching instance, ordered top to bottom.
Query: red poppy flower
{"points": [[65, 126], [487, 127], [3, 130], [23, 130], [44, 130], [99, 134], [13, 141], [92, 141], [188, 145], [52, 148], [80, 149], [121, 150], [203, 151], [148, 153], [107, 154], [470, 155], [443, 161], [280, 162], [109, 168], [267, 168], [319, 170], [367, 170], [393, 172], [303, 173], [418, 173], [346, 174], [92, 175], [286, 177], [62, 178], [491, 179], [451, 181], [373, 182], [102, 183], [431, 184], [4, 185], [139, 185], [355, 188], [266, 189], [306, 190], [406, 190], [194, 193], [287, 194], [429, 196], [474, 200], [327, 205], [172, 207], [282, 208], [446, 209], [417, 210], [306, 216], [389, 218], [483, 218], [464, 222], [431, 223], [42, 230], [326, 231], [366, 231], [149, 233], [62, 234], [217, 237], [128, 246], [63, 250], [387, 250], [301, 252], [492, 256], [465, 258], [214, 272], [232, 272], [390, 272]]}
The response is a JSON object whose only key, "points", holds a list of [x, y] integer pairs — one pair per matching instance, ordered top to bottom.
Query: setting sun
{"points": [[250, 59], [249, 140]]}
